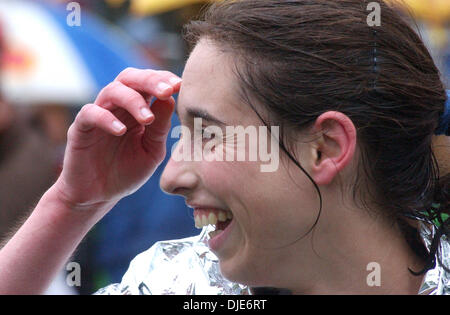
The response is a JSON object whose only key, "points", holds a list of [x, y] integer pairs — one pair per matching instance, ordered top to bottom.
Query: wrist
{"points": [[63, 211], [39, 249]]}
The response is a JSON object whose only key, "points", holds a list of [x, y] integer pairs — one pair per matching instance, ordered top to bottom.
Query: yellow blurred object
{"points": [[115, 3], [150, 7], [433, 11], [436, 11], [439, 37]]}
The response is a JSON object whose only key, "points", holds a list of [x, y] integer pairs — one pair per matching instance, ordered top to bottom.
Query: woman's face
{"points": [[271, 210]]}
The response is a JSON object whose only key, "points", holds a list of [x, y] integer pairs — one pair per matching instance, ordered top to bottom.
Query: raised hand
{"points": [[115, 144]]}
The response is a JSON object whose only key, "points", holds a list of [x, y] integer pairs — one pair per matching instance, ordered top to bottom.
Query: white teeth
{"points": [[222, 216], [212, 218], [202, 219], [198, 222]]}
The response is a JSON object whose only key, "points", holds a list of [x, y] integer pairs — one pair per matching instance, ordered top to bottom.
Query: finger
{"points": [[161, 84], [117, 94], [92, 116], [158, 130]]}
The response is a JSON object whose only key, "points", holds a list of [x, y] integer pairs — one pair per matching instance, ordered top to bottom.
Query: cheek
{"points": [[227, 181], [271, 210], [280, 214]]}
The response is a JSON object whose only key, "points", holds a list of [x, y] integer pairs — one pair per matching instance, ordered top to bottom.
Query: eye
{"points": [[207, 134]]}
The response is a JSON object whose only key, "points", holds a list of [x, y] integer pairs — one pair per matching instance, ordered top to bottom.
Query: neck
{"points": [[353, 253]]}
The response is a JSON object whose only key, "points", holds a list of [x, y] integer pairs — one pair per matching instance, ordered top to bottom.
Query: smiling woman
{"points": [[355, 123], [358, 193]]}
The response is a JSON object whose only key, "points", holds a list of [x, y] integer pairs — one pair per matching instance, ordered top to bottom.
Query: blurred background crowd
{"points": [[55, 57]]}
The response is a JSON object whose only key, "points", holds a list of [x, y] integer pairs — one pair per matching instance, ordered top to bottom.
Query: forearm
{"points": [[103, 161], [39, 249]]}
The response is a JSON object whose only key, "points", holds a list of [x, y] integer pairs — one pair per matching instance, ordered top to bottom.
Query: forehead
{"points": [[209, 82]]}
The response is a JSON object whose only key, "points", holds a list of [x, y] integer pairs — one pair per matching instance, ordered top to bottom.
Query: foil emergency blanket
{"points": [[179, 267], [188, 267], [436, 280]]}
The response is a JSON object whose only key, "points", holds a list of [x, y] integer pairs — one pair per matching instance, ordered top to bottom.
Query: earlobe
{"points": [[335, 148]]}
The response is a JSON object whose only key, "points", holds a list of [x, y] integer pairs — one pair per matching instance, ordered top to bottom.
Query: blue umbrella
{"points": [[55, 62]]}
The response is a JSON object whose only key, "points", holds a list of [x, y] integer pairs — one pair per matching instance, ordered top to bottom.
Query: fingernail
{"points": [[175, 81], [162, 87], [145, 112], [118, 126]]}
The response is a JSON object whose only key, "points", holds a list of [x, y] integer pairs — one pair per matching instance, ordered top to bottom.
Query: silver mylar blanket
{"points": [[188, 267]]}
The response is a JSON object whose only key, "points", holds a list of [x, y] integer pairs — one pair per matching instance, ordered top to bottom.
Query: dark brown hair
{"points": [[301, 58]]}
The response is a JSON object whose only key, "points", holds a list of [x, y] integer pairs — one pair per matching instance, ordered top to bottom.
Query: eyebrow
{"points": [[201, 113]]}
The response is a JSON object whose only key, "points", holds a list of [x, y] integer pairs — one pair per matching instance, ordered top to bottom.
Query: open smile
{"points": [[220, 219]]}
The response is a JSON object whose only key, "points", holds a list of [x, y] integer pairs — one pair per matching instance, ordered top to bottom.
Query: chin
{"points": [[242, 274]]}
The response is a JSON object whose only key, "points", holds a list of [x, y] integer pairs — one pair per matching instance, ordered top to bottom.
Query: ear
{"points": [[335, 148]]}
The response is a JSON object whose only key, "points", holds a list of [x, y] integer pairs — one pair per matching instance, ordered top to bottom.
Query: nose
{"points": [[178, 178]]}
